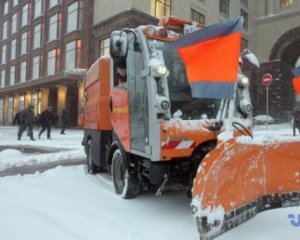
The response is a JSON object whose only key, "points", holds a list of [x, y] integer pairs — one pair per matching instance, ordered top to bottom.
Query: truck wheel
{"points": [[91, 167], [125, 185]]}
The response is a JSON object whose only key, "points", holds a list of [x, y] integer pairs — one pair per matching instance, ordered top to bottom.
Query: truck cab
{"points": [[149, 130]]}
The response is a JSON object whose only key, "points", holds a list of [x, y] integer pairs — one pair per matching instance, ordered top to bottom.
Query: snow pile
{"points": [[187, 125], [10, 153], [19, 159]]}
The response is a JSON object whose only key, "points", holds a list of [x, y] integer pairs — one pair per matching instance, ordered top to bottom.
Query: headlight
{"points": [[151, 30], [163, 32], [158, 68], [161, 70], [243, 80], [165, 105], [246, 107]]}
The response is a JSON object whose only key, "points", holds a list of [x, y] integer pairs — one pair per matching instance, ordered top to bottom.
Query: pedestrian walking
{"points": [[26, 119], [17, 120], [296, 120], [46, 121], [63, 121], [37, 123]]}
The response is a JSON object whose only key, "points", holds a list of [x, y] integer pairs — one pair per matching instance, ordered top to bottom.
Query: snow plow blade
{"points": [[241, 178]]}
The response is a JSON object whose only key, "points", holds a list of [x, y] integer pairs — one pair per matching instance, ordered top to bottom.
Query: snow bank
{"points": [[10, 153]]}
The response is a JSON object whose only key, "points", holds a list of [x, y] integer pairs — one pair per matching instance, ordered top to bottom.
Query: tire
{"points": [[91, 167], [125, 185]]}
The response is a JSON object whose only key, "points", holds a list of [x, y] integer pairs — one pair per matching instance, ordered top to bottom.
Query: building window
{"points": [[15, 2], [53, 3], [245, 3], [286, 3], [224, 7], [5, 8], [38, 8], [160, 8], [244, 14], [25, 15], [73, 17], [197, 17], [14, 22], [53, 28], [4, 32], [37, 38], [24, 43], [245, 44], [104, 47], [4, 49], [13, 49], [72, 54], [52, 57], [36, 66], [23, 72], [12, 75], [3, 78], [21, 102], [10, 109], [1, 110]]}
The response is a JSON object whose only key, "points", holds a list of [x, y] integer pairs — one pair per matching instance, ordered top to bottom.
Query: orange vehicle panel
{"points": [[97, 87], [120, 116], [180, 138]]}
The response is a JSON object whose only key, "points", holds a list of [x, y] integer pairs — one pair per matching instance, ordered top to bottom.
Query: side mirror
{"points": [[118, 44], [250, 56]]}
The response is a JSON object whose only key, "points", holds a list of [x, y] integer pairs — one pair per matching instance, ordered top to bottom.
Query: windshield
{"points": [[183, 105]]}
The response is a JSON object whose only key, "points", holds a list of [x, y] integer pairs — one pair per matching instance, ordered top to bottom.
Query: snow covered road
{"points": [[67, 203]]}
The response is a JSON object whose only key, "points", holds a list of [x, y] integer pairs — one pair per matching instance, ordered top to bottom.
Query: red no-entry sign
{"points": [[267, 79]]}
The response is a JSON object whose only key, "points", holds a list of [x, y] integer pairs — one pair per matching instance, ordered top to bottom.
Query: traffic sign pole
{"points": [[267, 80], [267, 102]]}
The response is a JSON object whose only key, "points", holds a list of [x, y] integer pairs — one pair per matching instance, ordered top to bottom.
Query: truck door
{"points": [[138, 99]]}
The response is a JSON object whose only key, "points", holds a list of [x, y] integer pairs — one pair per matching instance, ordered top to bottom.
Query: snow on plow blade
{"points": [[241, 178]]}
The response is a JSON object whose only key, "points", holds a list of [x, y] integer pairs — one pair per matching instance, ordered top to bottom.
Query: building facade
{"points": [[117, 14], [275, 39], [44, 48]]}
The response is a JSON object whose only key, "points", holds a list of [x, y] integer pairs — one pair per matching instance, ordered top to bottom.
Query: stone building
{"points": [[118, 14], [275, 39], [44, 48]]}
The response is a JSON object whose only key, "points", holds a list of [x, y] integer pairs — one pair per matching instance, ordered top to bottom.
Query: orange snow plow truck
{"points": [[142, 124]]}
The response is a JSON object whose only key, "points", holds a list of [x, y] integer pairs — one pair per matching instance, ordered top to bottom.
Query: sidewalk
{"points": [[61, 150]]}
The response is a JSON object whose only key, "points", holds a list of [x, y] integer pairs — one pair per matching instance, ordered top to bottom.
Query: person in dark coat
{"points": [[17, 120], [296, 120], [26, 121], [46, 121], [63, 121], [37, 124]]}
